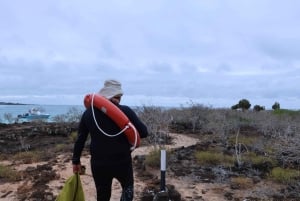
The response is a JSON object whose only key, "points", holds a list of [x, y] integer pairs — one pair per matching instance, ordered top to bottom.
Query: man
{"points": [[110, 156]]}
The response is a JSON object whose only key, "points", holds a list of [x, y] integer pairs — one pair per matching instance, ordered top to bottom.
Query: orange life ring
{"points": [[116, 115]]}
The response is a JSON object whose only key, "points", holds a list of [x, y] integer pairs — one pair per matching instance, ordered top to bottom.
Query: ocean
{"points": [[53, 110]]}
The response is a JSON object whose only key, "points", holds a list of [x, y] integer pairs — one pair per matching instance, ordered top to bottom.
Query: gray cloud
{"points": [[165, 52]]}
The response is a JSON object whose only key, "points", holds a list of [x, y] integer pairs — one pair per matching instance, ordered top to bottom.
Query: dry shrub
{"points": [[157, 120], [73, 136], [62, 148], [28, 157], [153, 158], [213, 158], [259, 159], [9, 174], [285, 176], [242, 182]]}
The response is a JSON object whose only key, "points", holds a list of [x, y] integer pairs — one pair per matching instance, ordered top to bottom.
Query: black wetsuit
{"points": [[110, 156]]}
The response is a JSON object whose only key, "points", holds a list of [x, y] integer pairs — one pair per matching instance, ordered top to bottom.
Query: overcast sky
{"points": [[165, 52]]}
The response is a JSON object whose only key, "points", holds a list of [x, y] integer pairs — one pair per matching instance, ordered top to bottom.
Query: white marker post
{"points": [[162, 170]]}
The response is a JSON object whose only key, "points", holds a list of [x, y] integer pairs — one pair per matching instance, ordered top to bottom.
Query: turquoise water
{"points": [[53, 110]]}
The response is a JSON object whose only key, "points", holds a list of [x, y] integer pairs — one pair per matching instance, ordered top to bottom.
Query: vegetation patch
{"points": [[286, 112], [73, 136], [245, 140], [62, 148], [4, 156], [28, 157], [153, 158], [214, 158], [259, 160], [9, 174], [284, 176], [241, 182]]}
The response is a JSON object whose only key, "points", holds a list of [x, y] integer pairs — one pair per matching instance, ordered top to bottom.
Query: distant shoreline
{"points": [[5, 103]]}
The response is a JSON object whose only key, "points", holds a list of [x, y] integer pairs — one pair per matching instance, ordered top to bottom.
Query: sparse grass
{"points": [[287, 112], [73, 136], [246, 140], [61, 147], [270, 149], [4, 156], [28, 157], [153, 158], [214, 158], [258, 160], [9, 174], [285, 176], [242, 182]]}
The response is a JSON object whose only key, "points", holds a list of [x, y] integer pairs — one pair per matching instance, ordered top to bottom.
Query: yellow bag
{"points": [[72, 190]]}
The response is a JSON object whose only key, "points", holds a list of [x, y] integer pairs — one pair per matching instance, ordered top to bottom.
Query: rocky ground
{"points": [[186, 179]]}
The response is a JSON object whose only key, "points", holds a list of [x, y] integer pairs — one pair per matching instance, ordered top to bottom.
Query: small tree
{"points": [[244, 104], [276, 106], [258, 108]]}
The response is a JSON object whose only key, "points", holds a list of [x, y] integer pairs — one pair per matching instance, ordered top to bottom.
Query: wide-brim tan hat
{"points": [[111, 89]]}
